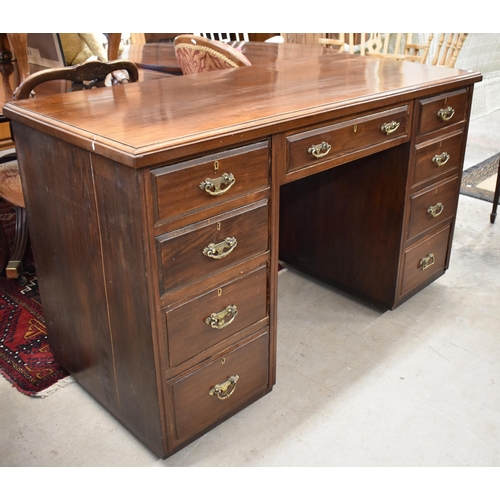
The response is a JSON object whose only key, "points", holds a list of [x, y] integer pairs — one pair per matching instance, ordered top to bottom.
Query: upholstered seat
{"points": [[196, 54], [10, 182]]}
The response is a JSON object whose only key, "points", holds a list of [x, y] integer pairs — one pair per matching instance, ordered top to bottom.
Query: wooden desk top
{"points": [[150, 121]]}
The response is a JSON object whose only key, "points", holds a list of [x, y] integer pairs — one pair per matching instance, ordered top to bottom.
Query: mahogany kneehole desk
{"points": [[158, 212]]}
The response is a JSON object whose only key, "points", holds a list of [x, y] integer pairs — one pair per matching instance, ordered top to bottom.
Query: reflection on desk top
{"points": [[161, 56], [9, 80], [151, 121]]}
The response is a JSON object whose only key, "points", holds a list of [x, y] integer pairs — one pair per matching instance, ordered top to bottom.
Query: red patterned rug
{"points": [[25, 357]]}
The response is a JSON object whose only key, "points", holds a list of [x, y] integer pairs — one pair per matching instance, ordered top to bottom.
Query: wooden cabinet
{"points": [[158, 211]]}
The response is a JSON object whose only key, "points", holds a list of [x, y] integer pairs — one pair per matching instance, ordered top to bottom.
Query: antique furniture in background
{"points": [[225, 37], [444, 51], [196, 54], [82, 77], [159, 268]]}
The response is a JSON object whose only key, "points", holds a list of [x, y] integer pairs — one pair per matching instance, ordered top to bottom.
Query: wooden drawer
{"points": [[442, 111], [356, 135], [439, 157], [183, 188], [431, 206], [204, 249], [424, 259], [194, 326], [197, 406]]}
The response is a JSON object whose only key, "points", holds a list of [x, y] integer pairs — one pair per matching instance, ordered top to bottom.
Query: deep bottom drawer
{"points": [[425, 259], [220, 387]]}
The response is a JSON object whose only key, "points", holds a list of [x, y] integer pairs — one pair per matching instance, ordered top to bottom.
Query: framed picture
{"points": [[45, 49]]}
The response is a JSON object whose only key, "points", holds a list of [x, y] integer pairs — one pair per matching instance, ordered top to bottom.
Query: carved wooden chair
{"points": [[444, 50], [196, 54], [82, 77]]}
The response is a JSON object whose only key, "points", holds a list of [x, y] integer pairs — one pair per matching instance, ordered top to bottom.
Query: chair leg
{"points": [[496, 197], [4, 249], [14, 268]]}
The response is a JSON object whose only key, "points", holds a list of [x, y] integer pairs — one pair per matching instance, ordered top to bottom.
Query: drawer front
{"points": [[443, 110], [339, 139], [440, 157], [198, 184], [432, 206], [204, 249], [425, 259], [216, 315], [220, 387]]}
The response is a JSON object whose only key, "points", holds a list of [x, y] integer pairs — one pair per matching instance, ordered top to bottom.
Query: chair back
{"points": [[225, 37], [389, 45], [447, 48], [442, 51], [196, 54], [82, 76]]}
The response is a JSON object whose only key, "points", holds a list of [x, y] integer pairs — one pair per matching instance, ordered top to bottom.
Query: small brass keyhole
{"points": [[216, 165], [218, 226], [219, 292], [223, 360]]}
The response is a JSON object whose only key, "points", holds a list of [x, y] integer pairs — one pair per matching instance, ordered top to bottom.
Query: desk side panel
{"points": [[120, 208], [62, 218], [88, 243]]}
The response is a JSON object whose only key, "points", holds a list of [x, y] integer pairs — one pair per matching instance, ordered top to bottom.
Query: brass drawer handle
{"points": [[446, 113], [389, 128], [319, 150], [441, 159], [213, 186], [436, 210], [221, 249], [427, 262], [218, 320], [226, 389]]}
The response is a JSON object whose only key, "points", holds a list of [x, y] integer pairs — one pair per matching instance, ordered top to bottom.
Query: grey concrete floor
{"points": [[356, 386]]}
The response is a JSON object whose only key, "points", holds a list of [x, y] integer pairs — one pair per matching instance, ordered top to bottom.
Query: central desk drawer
{"points": [[352, 136], [195, 185], [432, 206], [206, 248], [216, 315], [220, 387]]}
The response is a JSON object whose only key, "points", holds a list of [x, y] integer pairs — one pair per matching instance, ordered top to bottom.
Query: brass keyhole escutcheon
{"points": [[216, 165]]}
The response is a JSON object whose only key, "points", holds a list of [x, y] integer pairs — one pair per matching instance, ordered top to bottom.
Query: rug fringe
{"points": [[60, 384]]}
